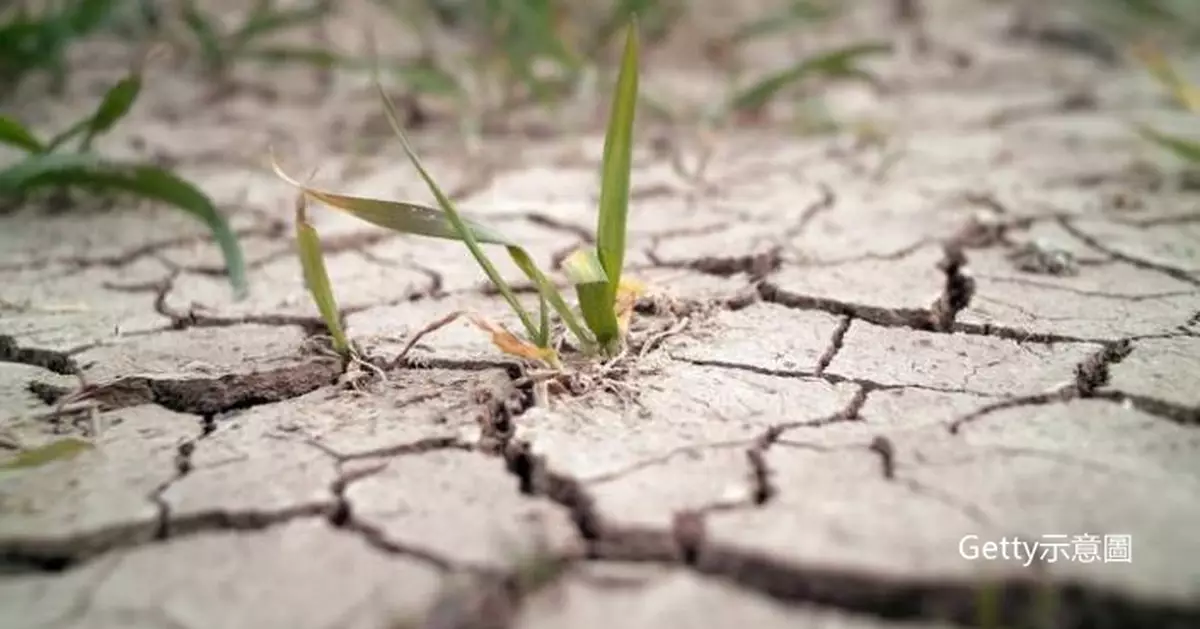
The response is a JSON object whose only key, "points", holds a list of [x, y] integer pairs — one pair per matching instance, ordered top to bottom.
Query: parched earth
{"points": [[861, 358]]}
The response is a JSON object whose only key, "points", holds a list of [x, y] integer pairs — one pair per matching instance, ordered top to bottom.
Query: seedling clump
{"points": [[47, 167], [597, 329]]}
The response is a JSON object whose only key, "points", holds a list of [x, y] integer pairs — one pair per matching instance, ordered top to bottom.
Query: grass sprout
{"points": [[793, 13], [38, 41], [220, 48], [839, 63], [45, 166], [316, 278], [603, 295]]}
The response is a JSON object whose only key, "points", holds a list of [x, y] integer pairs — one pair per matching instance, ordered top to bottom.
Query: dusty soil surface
{"points": [[827, 402]]}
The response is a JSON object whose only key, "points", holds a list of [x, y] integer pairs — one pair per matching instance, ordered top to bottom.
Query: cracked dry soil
{"points": [[871, 370]]}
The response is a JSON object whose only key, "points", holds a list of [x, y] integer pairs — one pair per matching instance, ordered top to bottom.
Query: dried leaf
{"points": [[627, 296], [509, 343]]}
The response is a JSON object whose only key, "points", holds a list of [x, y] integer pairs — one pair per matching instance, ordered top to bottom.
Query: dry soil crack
{"points": [[1093, 242], [75, 264], [51, 360], [1091, 376], [831, 378], [212, 395], [342, 516], [34, 554], [1019, 600]]}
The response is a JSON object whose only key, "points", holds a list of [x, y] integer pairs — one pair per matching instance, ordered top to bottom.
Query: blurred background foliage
{"points": [[486, 57]]}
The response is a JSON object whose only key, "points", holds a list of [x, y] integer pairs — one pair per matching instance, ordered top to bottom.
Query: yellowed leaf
{"points": [[1186, 94], [628, 292], [509, 343]]}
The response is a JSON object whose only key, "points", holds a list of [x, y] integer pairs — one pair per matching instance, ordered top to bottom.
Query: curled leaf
{"points": [[509, 343]]}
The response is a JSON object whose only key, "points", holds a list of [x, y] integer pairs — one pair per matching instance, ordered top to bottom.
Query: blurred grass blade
{"points": [[795, 13], [88, 15], [267, 19], [206, 35], [317, 57], [838, 63], [419, 76], [425, 77], [1184, 93], [116, 104], [657, 108], [16, 135], [65, 135], [1185, 148], [618, 150], [88, 170], [316, 278], [591, 287], [543, 335], [59, 450], [987, 605]]}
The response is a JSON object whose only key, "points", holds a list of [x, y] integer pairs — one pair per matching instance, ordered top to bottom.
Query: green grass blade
{"points": [[795, 13], [88, 15], [268, 19], [211, 48], [316, 57], [839, 63], [421, 77], [427, 78], [1185, 95], [116, 104], [67, 134], [16, 135], [1186, 149], [618, 155], [87, 170], [408, 218], [465, 234], [316, 278], [591, 286], [550, 293], [543, 335], [59, 450]]}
